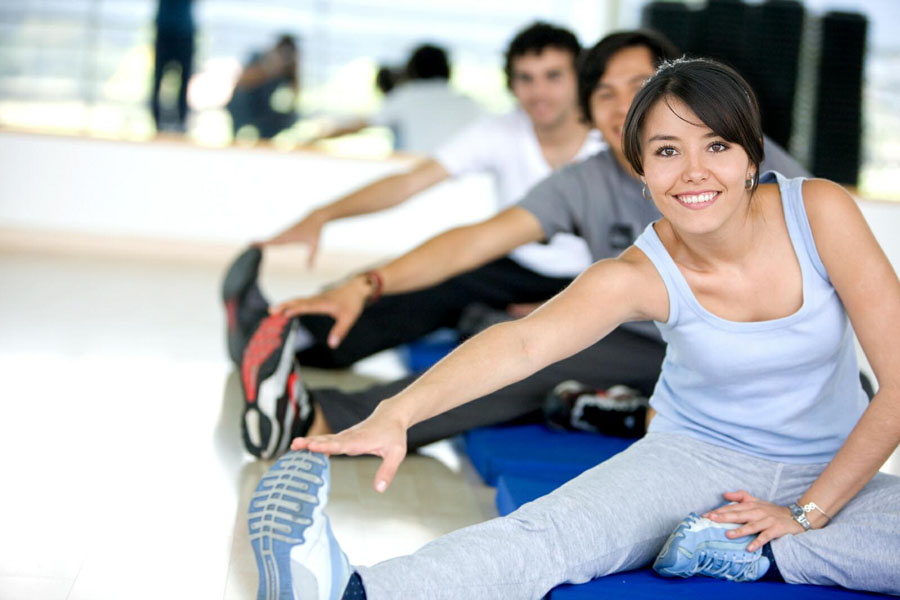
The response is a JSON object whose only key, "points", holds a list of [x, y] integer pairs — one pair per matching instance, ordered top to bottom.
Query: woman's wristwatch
{"points": [[799, 513], [800, 516]]}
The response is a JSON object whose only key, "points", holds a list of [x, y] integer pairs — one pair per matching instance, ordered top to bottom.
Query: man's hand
{"points": [[306, 232], [344, 303]]}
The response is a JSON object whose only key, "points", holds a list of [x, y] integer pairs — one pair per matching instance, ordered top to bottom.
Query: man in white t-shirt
{"points": [[423, 111], [507, 147], [518, 149]]}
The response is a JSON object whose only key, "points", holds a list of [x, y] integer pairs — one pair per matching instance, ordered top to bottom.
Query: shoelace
{"points": [[720, 564]]}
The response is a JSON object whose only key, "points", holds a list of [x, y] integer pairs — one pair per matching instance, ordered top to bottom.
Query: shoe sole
{"points": [[241, 274], [265, 371], [288, 501]]}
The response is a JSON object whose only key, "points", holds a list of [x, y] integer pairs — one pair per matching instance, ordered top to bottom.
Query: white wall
{"points": [[175, 191], [179, 192]]}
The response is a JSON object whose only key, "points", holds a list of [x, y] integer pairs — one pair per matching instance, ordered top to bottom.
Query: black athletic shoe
{"points": [[245, 306], [277, 406], [619, 411]]}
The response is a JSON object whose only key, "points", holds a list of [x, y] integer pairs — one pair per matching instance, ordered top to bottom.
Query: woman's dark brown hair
{"points": [[717, 95]]}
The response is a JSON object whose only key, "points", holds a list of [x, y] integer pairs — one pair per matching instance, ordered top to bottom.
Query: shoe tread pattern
{"points": [[281, 509]]}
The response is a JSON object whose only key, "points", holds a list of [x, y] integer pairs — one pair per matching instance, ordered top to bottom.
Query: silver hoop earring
{"points": [[748, 183], [645, 194]]}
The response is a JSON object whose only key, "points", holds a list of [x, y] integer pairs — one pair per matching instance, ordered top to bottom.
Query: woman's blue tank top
{"points": [[786, 389]]}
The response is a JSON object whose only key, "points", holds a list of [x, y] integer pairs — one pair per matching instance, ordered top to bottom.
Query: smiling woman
{"points": [[704, 97], [693, 165], [759, 400]]}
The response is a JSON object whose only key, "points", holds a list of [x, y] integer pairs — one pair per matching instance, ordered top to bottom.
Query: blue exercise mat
{"points": [[421, 354], [537, 450], [514, 490], [645, 584]]}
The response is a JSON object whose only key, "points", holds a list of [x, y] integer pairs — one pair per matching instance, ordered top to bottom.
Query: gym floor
{"points": [[123, 471]]}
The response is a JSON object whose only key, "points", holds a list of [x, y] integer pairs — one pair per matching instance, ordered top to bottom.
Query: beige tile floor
{"points": [[122, 472]]}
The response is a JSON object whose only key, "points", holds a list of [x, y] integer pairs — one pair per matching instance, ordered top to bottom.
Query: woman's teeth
{"points": [[697, 198]]}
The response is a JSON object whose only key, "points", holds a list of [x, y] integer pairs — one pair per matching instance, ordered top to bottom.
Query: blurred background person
{"points": [[174, 49], [266, 73], [387, 78], [420, 107], [423, 111]]}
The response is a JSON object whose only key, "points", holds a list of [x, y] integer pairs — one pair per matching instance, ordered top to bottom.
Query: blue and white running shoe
{"points": [[699, 546], [296, 553]]}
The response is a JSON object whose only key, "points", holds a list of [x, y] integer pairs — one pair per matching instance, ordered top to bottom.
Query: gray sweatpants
{"points": [[617, 516]]}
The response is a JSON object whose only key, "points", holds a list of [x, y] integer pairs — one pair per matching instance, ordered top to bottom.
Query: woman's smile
{"points": [[697, 200]]}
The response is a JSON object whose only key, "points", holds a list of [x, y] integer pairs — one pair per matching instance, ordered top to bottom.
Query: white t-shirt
{"points": [[423, 114], [507, 147]]}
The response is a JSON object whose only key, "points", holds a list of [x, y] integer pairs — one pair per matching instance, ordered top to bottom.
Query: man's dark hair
{"points": [[535, 39], [428, 62], [592, 64], [386, 79], [717, 94]]}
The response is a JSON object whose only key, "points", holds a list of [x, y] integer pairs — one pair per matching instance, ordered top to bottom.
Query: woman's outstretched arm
{"points": [[609, 293]]}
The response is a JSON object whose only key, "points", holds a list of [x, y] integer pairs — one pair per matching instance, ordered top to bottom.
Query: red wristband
{"points": [[373, 278]]}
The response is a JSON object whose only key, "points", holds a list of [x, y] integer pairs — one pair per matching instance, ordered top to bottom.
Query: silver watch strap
{"points": [[800, 516]]}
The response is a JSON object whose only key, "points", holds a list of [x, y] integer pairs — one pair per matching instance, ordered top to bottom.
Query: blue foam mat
{"points": [[421, 354], [537, 450], [514, 490], [645, 584]]}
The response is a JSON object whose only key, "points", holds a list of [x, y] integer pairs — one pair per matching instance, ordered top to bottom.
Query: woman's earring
{"points": [[748, 183], [645, 194]]}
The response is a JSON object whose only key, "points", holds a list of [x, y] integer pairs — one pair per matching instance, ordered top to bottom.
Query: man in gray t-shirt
{"points": [[598, 199]]}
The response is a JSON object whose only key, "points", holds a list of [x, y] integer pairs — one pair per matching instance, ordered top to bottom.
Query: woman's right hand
{"points": [[306, 232], [344, 303], [382, 434]]}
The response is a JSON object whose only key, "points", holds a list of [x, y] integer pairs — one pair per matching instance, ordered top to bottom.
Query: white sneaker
{"points": [[297, 555]]}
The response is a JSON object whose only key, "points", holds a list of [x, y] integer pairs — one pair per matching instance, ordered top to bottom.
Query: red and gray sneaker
{"points": [[245, 305], [277, 405], [619, 411]]}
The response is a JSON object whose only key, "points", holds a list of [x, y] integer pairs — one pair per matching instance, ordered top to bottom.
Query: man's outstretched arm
{"points": [[380, 195], [453, 252]]}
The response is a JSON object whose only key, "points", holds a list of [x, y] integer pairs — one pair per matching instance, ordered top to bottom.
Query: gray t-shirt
{"points": [[598, 201]]}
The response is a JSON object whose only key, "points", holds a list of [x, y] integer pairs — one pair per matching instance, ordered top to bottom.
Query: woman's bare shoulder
{"points": [[646, 284]]}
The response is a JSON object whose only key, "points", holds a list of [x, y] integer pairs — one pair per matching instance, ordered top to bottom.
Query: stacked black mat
{"points": [[764, 42]]}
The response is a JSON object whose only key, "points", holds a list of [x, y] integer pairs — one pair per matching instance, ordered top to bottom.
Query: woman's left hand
{"points": [[768, 520]]}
